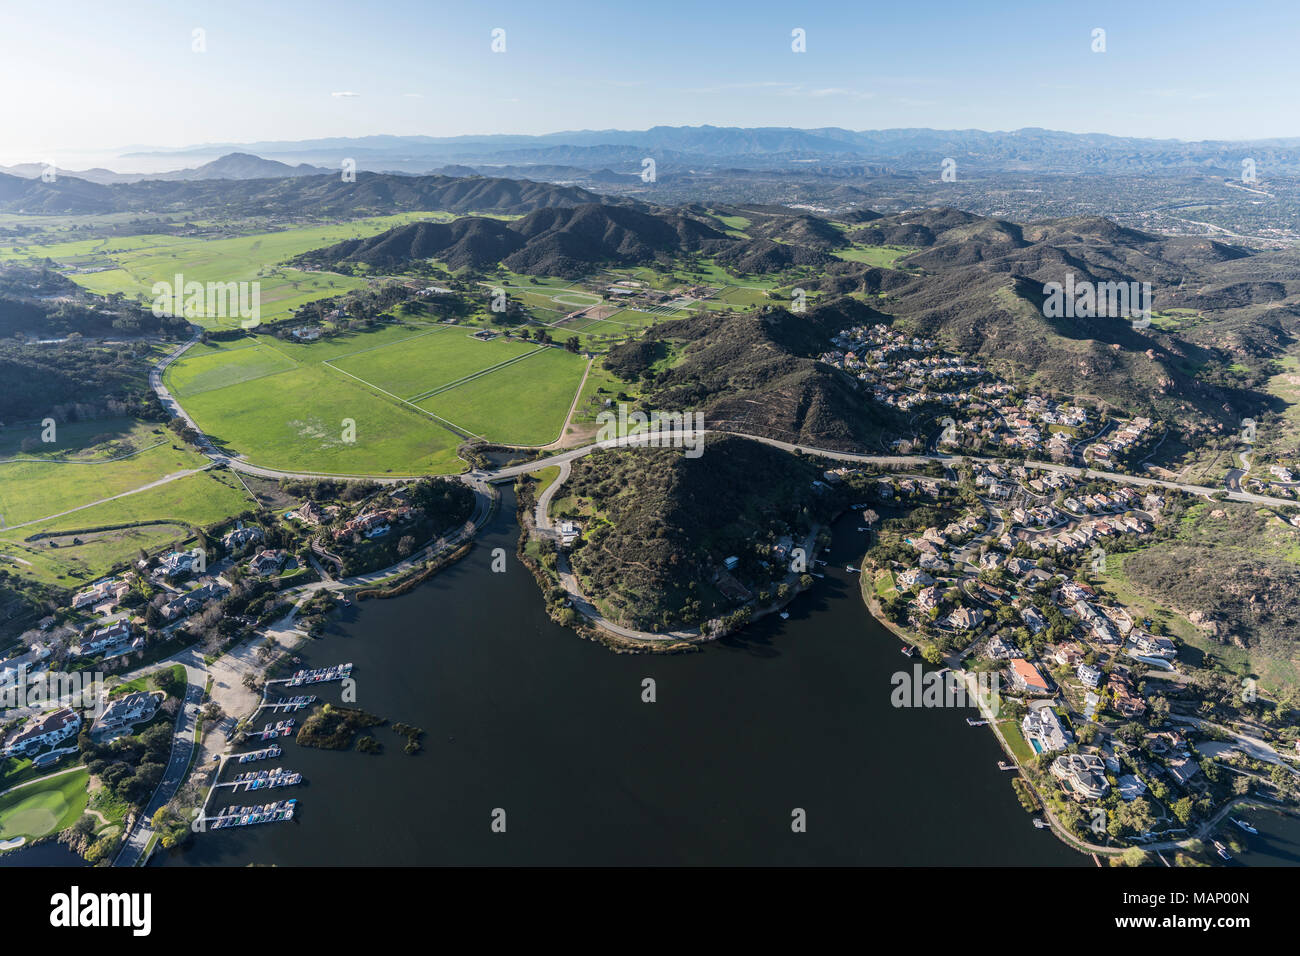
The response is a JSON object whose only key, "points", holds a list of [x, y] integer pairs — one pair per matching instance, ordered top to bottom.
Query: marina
{"points": [[320, 675], [290, 705], [281, 729], [265, 754], [264, 780], [237, 816]]}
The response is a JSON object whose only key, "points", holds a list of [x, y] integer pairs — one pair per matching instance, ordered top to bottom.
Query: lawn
{"points": [[882, 257], [253, 258], [414, 369], [203, 373], [524, 403], [284, 405], [296, 420], [90, 461], [545, 477], [201, 499], [1020, 747], [38, 809]]}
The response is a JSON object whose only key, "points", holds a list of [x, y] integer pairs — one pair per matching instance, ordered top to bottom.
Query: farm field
{"points": [[881, 256], [252, 258], [415, 367], [219, 369], [522, 404], [283, 405], [295, 421], [90, 461], [201, 499], [38, 809]]}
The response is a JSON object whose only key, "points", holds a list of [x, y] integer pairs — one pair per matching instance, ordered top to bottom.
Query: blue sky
{"points": [[88, 76]]}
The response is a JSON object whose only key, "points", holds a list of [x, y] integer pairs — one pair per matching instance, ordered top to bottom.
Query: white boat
{"points": [[1245, 826]]}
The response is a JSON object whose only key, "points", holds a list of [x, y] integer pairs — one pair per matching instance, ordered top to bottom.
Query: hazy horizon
{"points": [[95, 82]]}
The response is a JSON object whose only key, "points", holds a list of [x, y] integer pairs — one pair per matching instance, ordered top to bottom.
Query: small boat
{"points": [[851, 569], [908, 650], [1039, 823], [1245, 826], [1222, 850]]}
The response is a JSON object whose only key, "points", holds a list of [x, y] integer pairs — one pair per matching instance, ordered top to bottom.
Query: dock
{"points": [[320, 675], [290, 705], [281, 729], [264, 754], [265, 780], [276, 812]]}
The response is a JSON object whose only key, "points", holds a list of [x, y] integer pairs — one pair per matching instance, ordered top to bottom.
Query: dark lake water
{"points": [[523, 715]]}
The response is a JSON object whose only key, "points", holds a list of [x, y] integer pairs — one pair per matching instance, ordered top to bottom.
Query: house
{"points": [[306, 333], [312, 513], [373, 524], [570, 531], [240, 537], [182, 562], [267, 562], [730, 562], [914, 577], [108, 591], [927, 599], [187, 604], [963, 619], [1035, 621], [106, 638], [1150, 645], [999, 650], [1067, 654], [1089, 675], [1025, 677], [1125, 701], [128, 709], [1043, 729], [44, 731], [1183, 769], [1082, 776], [1131, 787]]}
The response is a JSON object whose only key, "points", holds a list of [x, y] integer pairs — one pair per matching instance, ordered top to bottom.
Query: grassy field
{"points": [[882, 257], [139, 262], [417, 366], [219, 369], [413, 392], [522, 404], [296, 421], [89, 461], [200, 499], [38, 809]]}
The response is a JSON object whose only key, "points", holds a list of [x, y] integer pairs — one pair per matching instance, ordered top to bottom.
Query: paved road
{"points": [[689, 435], [137, 840]]}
